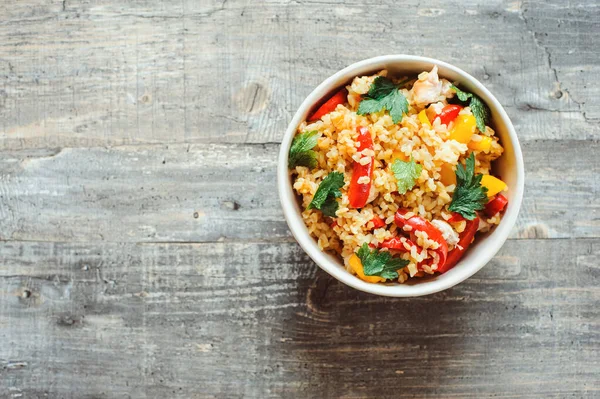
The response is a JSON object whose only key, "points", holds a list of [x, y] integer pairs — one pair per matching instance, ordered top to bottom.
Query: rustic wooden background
{"points": [[143, 250]]}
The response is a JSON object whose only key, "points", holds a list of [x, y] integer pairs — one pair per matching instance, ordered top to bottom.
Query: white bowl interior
{"points": [[509, 167]]}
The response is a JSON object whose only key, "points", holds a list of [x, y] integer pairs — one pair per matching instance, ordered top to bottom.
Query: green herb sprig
{"points": [[384, 95], [480, 110], [301, 153], [406, 174], [469, 195], [325, 197], [382, 264]]}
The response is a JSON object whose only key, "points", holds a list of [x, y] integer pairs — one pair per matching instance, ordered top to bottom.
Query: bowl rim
{"points": [[332, 266]]}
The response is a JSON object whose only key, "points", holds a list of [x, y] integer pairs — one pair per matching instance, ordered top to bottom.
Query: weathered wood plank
{"points": [[570, 38], [80, 74], [228, 192], [153, 193], [123, 307], [176, 320]]}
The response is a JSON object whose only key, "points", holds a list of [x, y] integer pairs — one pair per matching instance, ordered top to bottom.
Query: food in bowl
{"points": [[395, 175]]}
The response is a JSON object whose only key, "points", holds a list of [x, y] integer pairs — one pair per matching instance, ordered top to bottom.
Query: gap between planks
{"points": [[255, 242]]}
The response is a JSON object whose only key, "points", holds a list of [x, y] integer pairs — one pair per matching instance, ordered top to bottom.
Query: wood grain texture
{"points": [[83, 74], [202, 193], [143, 252], [173, 320]]}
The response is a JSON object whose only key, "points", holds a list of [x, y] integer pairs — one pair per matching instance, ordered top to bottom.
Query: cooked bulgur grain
{"points": [[422, 139]]}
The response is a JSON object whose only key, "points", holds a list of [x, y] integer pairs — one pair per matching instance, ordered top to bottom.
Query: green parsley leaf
{"points": [[381, 87], [384, 95], [462, 95], [369, 106], [480, 110], [301, 153], [406, 174], [328, 191], [469, 195], [330, 207], [382, 264]]}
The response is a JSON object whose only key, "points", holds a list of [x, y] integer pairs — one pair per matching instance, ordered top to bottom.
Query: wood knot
{"points": [[252, 98], [230, 205], [317, 292], [28, 296], [69, 320], [13, 365]]}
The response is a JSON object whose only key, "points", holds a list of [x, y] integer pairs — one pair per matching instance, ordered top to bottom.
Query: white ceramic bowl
{"points": [[509, 167]]}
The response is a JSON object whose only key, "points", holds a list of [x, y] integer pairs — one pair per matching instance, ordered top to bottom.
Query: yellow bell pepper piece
{"points": [[424, 119], [464, 127], [482, 145], [397, 154], [447, 175], [493, 184], [357, 267]]}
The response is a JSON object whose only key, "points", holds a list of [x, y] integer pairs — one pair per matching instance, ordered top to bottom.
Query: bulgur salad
{"points": [[395, 175]]}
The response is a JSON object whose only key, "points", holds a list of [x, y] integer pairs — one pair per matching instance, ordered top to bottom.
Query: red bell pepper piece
{"points": [[330, 105], [448, 114], [358, 194], [495, 205], [455, 218], [377, 222], [417, 223], [466, 237], [399, 244]]}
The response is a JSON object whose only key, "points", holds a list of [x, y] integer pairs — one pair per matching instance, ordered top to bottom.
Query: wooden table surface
{"points": [[143, 251]]}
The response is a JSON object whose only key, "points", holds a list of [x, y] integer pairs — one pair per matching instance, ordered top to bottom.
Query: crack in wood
{"points": [[559, 92]]}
